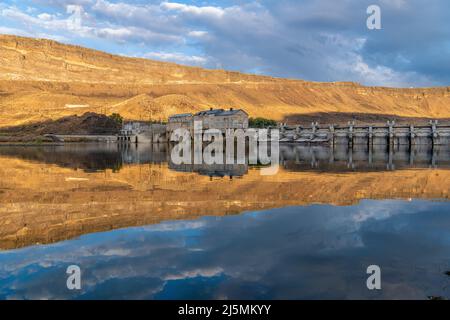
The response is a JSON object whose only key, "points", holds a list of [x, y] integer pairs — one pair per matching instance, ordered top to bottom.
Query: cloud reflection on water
{"points": [[314, 252]]}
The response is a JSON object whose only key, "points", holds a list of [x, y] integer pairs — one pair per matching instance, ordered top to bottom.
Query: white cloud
{"points": [[64, 3], [394, 3], [123, 10], [208, 11], [45, 16], [149, 17], [42, 20], [76, 25], [14, 31], [23, 33], [118, 33], [137, 34], [197, 34], [177, 58], [378, 74], [177, 226], [116, 252], [206, 273]]}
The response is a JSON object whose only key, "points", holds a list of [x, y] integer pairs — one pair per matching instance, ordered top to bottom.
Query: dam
{"points": [[390, 134]]}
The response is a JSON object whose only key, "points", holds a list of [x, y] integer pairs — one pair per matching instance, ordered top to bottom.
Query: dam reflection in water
{"points": [[93, 157], [141, 227]]}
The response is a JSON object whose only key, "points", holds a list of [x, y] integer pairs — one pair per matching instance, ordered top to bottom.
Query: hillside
{"points": [[44, 80], [86, 124]]}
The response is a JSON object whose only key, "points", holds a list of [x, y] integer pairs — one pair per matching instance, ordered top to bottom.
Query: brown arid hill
{"points": [[46, 80], [45, 203]]}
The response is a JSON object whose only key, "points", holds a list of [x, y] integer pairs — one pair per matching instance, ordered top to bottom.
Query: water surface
{"points": [[141, 227]]}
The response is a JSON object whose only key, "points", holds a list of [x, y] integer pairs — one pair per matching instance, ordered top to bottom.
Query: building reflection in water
{"points": [[98, 157]]}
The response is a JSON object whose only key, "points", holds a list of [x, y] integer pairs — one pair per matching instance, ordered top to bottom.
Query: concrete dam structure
{"points": [[390, 134]]}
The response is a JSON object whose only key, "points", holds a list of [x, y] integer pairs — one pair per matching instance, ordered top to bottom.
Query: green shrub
{"points": [[117, 118], [261, 123]]}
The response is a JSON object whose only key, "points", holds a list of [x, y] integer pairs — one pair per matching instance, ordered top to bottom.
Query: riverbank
{"points": [[75, 128]]}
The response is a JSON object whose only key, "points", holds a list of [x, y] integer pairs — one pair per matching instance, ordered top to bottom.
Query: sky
{"points": [[316, 40]]}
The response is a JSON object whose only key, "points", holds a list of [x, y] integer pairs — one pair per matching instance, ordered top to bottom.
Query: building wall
{"points": [[238, 120], [235, 121], [175, 123], [179, 123], [139, 132]]}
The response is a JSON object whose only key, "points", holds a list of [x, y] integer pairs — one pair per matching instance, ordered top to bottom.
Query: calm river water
{"points": [[141, 227]]}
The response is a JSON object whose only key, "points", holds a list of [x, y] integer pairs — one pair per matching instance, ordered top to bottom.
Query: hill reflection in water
{"points": [[53, 193]]}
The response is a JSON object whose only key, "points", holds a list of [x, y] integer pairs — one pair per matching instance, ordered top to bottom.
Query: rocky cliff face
{"points": [[47, 60], [43, 79]]}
